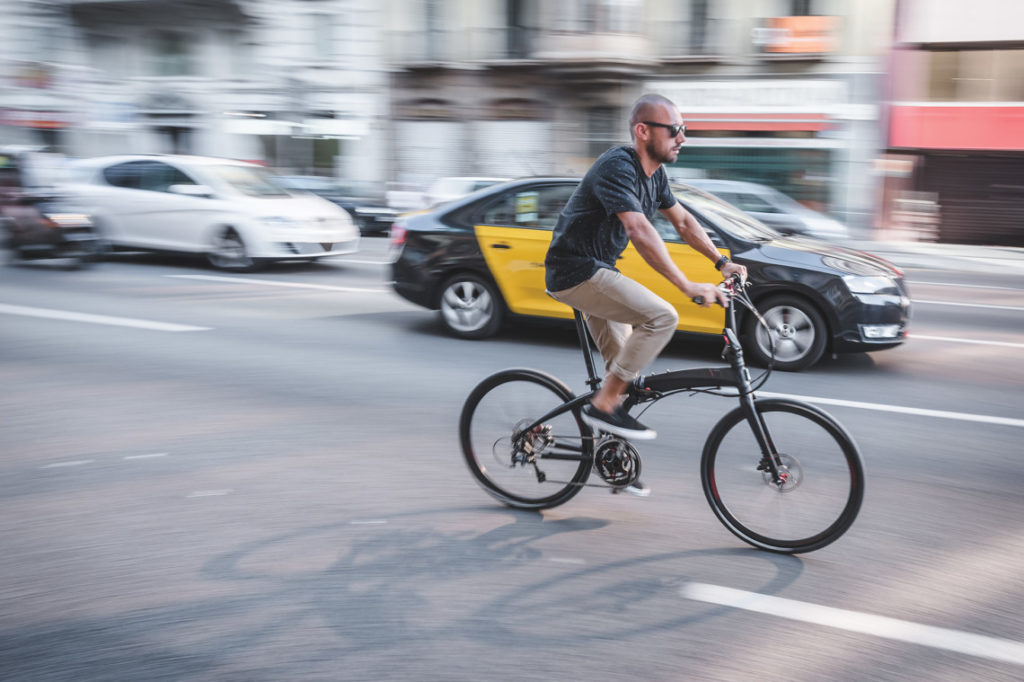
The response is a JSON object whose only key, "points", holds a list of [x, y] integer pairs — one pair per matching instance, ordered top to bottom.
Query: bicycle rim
{"points": [[492, 434], [824, 478]]}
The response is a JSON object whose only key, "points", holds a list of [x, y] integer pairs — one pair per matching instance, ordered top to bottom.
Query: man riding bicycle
{"points": [[613, 206]]}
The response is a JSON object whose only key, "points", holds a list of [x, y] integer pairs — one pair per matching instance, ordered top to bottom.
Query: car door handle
{"points": [[500, 246]]}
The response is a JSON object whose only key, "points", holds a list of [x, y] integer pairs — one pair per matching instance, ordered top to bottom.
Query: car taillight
{"points": [[397, 235]]}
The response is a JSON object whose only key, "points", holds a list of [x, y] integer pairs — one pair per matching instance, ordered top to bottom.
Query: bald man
{"points": [[613, 206]]}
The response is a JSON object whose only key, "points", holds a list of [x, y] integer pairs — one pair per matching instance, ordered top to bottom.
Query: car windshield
{"points": [[250, 181], [311, 184], [726, 216]]}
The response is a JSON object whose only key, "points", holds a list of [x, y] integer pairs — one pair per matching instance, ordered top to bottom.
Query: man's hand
{"points": [[731, 268], [709, 292]]}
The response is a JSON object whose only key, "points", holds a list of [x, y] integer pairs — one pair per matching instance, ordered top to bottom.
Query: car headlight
{"points": [[69, 219], [858, 284]]}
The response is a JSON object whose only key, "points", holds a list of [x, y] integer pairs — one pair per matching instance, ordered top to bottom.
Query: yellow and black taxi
{"points": [[480, 261]]}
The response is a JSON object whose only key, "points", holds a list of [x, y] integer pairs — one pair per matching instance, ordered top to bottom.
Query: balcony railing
{"points": [[663, 40], [449, 46]]}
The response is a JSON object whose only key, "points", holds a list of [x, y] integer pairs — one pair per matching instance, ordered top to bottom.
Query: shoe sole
{"points": [[630, 434], [638, 492]]}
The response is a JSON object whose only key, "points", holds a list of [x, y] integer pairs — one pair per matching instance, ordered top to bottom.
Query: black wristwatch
{"points": [[720, 263]]}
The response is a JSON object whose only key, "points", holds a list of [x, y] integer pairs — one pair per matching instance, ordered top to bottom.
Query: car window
{"points": [[127, 175], [156, 176], [251, 181], [749, 202], [534, 207], [725, 215], [669, 234]]}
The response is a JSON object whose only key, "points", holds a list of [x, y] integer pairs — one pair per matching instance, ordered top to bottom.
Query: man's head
{"points": [[651, 126]]}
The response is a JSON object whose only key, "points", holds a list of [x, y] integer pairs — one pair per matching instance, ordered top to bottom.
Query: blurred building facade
{"points": [[297, 85], [783, 92], [955, 168]]}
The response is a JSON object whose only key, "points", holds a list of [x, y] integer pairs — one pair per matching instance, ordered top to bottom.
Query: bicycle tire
{"points": [[512, 399], [820, 500]]}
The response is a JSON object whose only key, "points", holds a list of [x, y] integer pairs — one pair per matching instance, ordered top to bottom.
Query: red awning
{"points": [[758, 121], [924, 126]]}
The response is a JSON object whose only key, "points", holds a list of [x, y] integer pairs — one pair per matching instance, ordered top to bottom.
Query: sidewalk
{"points": [[929, 255]]}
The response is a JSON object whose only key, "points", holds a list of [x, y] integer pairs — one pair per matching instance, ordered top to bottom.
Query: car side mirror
{"points": [[191, 190]]}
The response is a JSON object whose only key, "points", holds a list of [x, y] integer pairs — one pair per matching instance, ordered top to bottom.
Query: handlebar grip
{"points": [[699, 300]]}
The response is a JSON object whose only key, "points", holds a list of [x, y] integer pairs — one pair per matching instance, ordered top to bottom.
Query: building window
{"points": [[800, 8], [599, 16], [171, 55], [975, 76]]}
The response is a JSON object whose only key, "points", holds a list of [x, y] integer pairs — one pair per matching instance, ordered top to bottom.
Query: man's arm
{"points": [[694, 235], [652, 249]]}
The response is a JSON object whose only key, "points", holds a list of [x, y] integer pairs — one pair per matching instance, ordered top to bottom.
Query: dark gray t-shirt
{"points": [[589, 234]]}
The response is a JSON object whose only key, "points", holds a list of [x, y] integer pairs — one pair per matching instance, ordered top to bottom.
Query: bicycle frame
{"points": [[653, 387]]}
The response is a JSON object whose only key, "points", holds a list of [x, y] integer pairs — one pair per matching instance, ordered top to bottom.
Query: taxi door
{"points": [[514, 236], [696, 267]]}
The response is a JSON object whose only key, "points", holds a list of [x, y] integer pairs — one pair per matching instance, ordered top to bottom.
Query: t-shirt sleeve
{"points": [[614, 187], [666, 199]]}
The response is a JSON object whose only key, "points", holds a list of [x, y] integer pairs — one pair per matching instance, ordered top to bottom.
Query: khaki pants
{"points": [[629, 322]]}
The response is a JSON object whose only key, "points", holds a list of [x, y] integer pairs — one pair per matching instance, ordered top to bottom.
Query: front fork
{"points": [[771, 462]]}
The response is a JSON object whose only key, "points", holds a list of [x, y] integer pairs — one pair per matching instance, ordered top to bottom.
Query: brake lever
{"points": [[727, 287]]}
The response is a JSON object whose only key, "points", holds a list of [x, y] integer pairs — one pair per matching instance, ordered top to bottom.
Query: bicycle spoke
{"points": [[536, 468], [823, 487]]}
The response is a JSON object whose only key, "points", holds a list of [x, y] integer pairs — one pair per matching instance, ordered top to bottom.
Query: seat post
{"points": [[586, 343]]}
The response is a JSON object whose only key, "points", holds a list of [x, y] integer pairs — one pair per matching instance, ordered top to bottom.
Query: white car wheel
{"points": [[229, 252]]}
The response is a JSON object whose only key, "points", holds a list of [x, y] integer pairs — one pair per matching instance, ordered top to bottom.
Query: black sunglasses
{"points": [[673, 130]]}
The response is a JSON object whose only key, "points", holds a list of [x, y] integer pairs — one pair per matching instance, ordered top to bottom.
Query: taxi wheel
{"points": [[471, 306], [794, 325]]}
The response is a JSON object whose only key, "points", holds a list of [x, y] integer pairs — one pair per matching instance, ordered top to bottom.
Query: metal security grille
{"points": [[981, 198]]}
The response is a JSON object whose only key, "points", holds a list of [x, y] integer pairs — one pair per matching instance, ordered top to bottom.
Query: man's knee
{"points": [[665, 320]]}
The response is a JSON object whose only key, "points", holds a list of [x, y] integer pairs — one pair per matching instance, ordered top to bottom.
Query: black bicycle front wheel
{"points": [[524, 465], [823, 485]]}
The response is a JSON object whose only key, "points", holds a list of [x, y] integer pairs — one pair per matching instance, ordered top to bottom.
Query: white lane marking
{"points": [[365, 262], [274, 283], [964, 286], [967, 305], [51, 314], [952, 339], [941, 414], [150, 456], [72, 463], [210, 493], [369, 522], [561, 560], [993, 648]]}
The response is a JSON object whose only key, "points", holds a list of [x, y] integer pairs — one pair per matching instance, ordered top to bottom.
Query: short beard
{"points": [[653, 153]]}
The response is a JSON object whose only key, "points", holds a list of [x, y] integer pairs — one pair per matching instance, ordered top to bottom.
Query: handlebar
{"points": [[726, 286]]}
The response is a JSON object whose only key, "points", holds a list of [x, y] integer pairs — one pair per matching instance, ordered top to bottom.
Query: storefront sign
{"points": [[797, 35]]}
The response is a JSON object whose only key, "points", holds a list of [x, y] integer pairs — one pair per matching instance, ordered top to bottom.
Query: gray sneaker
{"points": [[618, 423]]}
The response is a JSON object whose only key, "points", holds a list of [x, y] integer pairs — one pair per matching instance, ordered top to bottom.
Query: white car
{"points": [[447, 189], [773, 208], [233, 212]]}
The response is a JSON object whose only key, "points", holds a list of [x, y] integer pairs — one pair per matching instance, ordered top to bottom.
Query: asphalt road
{"points": [[219, 477]]}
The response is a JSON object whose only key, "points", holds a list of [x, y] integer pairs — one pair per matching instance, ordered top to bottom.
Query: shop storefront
{"points": [[793, 135]]}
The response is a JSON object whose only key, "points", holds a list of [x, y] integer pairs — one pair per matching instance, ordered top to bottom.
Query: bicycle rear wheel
{"points": [[534, 469], [824, 485]]}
